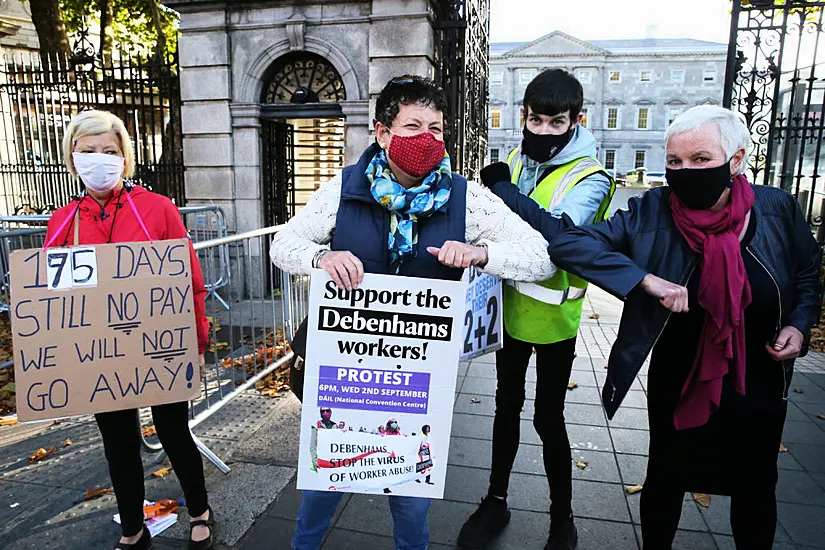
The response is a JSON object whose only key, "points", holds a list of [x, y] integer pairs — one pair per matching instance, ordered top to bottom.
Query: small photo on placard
{"points": [[59, 268]]}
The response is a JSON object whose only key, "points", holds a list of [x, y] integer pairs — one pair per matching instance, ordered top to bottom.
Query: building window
{"points": [[709, 75], [615, 76], [646, 76], [677, 76], [526, 77], [585, 77], [497, 78], [672, 113], [585, 116], [495, 118], [612, 118], [643, 118], [494, 155], [610, 159], [640, 159]]}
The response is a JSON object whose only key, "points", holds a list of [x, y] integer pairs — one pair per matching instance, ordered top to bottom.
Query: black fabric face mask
{"points": [[543, 147], [699, 188]]}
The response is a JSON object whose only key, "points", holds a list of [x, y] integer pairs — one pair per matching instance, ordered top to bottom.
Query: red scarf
{"points": [[724, 293]]}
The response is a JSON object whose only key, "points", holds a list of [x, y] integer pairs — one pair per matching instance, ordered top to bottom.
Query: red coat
{"points": [[162, 220]]}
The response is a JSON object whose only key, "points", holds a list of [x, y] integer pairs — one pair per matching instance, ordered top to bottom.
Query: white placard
{"points": [[84, 266], [59, 268], [483, 322], [379, 385]]}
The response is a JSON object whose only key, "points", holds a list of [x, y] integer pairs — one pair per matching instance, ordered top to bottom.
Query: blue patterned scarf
{"points": [[407, 205]]}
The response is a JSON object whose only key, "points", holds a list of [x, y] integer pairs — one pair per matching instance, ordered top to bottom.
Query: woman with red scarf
{"points": [[720, 282]]}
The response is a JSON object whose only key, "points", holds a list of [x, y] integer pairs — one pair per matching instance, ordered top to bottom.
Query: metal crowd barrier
{"points": [[249, 338]]}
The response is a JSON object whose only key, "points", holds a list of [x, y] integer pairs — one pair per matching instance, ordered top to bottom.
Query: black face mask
{"points": [[543, 147], [699, 188]]}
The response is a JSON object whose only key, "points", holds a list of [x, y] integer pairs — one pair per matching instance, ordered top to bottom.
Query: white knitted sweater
{"points": [[515, 250]]}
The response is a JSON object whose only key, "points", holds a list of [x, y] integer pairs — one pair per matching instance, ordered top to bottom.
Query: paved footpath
{"points": [[257, 502]]}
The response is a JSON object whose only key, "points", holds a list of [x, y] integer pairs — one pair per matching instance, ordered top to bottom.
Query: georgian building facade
{"points": [[633, 89]]}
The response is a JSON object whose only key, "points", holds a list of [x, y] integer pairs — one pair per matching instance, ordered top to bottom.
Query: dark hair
{"points": [[408, 90], [552, 92], [425, 428]]}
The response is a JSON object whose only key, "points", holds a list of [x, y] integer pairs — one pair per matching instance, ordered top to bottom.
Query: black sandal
{"points": [[209, 542], [143, 543]]}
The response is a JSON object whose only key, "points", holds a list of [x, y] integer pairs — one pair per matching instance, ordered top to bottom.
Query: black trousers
{"points": [[554, 363], [121, 442]]}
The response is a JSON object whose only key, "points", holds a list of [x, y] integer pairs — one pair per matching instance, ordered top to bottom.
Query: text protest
{"points": [[109, 329], [374, 390]]}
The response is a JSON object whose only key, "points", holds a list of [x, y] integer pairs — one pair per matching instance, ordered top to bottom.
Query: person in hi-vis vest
{"points": [[556, 166]]}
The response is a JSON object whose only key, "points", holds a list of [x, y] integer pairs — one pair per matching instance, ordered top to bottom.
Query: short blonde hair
{"points": [[94, 123]]}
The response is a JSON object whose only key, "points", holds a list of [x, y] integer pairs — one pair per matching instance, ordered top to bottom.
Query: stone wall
{"points": [[225, 55]]}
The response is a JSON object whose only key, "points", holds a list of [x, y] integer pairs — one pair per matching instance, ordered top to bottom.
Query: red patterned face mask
{"points": [[416, 155]]}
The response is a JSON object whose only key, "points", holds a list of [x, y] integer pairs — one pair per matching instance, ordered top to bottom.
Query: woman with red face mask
{"points": [[400, 210]]}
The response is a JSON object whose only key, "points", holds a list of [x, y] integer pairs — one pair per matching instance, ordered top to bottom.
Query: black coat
{"points": [[617, 254]]}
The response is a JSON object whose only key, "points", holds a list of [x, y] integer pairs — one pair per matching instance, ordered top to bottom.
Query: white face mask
{"points": [[100, 172]]}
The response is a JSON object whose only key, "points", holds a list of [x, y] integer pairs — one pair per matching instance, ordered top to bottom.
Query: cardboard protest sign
{"points": [[483, 318], [102, 328], [379, 385]]}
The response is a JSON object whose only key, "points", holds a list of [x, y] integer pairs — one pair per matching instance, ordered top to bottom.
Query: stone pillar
{"points": [[401, 41], [207, 128], [357, 128], [246, 143]]}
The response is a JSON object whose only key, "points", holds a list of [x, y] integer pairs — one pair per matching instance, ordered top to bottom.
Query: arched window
{"points": [[303, 77]]}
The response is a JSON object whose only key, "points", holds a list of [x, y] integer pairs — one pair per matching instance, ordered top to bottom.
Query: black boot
{"points": [[491, 517], [563, 534], [143, 543]]}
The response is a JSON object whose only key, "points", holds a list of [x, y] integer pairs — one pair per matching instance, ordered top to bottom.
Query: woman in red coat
{"points": [[98, 150]]}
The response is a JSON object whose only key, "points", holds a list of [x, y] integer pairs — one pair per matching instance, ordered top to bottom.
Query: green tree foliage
{"points": [[135, 24]]}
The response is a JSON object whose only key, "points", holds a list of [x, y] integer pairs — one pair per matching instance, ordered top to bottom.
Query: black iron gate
{"points": [[462, 67], [776, 79], [38, 99], [278, 171]]}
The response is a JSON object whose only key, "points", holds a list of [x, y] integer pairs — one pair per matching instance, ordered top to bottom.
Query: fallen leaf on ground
{"points": [[594, 316], [572, 385], [799, 390], [270, 392], [475, 400], [821, 416], [10, 420], [57, 422], [149, 431], [67, 443], [783, 448], [40, 454], [581, 464], [163, 472], [633, 489], [94, 493], [702, 499]]}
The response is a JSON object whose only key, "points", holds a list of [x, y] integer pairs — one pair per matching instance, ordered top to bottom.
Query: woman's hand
{"points": [[456, 254], [345, 269], [674, 297], [788, 344]]}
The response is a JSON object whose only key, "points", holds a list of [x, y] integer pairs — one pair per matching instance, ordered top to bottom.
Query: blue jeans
{"points": [[409, 518]]}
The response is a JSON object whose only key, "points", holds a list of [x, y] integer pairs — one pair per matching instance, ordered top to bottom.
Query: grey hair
{"points": [[734, 135]]}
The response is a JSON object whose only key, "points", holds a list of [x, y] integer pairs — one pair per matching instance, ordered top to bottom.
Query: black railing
{"points": [[462, 67], [776, 80], [38, 99]]}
